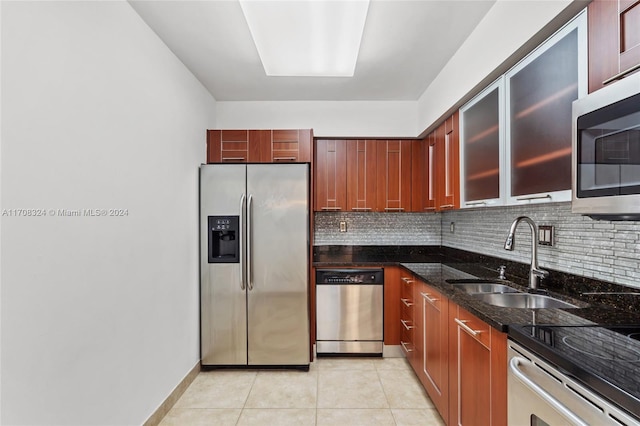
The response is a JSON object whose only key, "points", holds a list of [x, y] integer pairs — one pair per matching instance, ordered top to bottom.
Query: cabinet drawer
{"points": [[407, 282], [406, 308], [470, 324], [406, 337]]}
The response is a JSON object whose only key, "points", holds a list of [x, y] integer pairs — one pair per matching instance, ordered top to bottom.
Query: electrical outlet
{"points": [[343, 226], [452, 227]]}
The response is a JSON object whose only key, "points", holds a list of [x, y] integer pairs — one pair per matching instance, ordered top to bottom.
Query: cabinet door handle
{"points": [[620, 75], [284, 158], [233, 159], [534, 197], [476, 203], [447, 206], [429, 208], [331, 209], [361, 209], [394, 209], [407, 280], [429, 299], [407, 303], [462, 323], [406, 324], [405, 346]]}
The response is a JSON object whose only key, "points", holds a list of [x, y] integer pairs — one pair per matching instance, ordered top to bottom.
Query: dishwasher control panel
{"points": [[349, 276]]}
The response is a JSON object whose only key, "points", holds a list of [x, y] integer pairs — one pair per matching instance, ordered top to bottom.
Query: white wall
{"points": [[355, 119], [99, 314]]}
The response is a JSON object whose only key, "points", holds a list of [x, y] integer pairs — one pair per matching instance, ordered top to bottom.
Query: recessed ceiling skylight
{"points": [[318, 38]]}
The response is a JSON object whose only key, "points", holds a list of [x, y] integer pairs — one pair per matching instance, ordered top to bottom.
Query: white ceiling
{"points": [[405, 45]]}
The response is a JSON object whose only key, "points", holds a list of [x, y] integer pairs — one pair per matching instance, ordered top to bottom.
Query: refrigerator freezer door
{"points": [[223, 301], [278, 306]]}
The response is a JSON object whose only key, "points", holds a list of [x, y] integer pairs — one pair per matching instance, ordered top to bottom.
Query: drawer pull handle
{"points": [[406, 280], [429, 299], [407, 303], [406, 324], [463, 324], [405, 346]]}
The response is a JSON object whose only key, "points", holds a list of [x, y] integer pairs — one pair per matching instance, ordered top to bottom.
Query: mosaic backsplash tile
{"points": [[377, 229], [603, 250]]}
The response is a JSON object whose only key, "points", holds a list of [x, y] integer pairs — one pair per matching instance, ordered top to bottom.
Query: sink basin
{"points": [[474, 281], [481, 285], [486, 288], [523, 300]]}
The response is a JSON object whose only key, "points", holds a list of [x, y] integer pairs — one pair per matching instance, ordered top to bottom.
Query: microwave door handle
{"points": [[249, 238], [240, 245], [549, 399]]}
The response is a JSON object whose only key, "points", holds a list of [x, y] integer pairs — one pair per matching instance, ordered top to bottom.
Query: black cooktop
{"points": [[606, 359]]}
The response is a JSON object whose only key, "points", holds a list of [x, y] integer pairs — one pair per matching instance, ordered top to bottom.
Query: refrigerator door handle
{"points": [[249, 238], [241, 246]]}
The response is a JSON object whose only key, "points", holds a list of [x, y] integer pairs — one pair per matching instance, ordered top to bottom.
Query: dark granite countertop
{"points": [[435, 265]]}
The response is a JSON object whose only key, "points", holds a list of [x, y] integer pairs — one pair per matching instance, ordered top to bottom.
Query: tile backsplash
{"points": [[371, 229], [603, 250]]}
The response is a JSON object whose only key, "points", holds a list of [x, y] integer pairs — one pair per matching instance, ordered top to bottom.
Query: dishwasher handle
{"points": [[514, 365]]}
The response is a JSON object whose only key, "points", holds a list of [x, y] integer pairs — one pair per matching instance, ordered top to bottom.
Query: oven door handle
{"points": [[514, 366]]}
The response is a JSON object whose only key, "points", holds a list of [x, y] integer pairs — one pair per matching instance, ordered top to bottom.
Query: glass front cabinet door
{"points": [[516, 133]]}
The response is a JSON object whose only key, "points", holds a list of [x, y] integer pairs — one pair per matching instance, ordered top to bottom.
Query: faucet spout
{"points": [[535, 273]]}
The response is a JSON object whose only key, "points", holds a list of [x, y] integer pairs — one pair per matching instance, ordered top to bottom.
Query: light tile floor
{"points": [[335, 391]]}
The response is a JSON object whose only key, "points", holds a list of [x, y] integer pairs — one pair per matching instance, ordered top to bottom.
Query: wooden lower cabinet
{"points": [[434, 341], [460, 360], [477, 371]]}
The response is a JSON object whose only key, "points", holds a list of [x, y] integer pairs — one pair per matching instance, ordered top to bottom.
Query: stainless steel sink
{"points": [[481, 285], [485, 288], [522, 300]]}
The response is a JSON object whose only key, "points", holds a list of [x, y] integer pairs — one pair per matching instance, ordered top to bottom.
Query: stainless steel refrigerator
{"points": [[254, 221]]}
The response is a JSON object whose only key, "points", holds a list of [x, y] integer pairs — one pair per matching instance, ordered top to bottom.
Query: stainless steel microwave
{"points": [[606, 152]]}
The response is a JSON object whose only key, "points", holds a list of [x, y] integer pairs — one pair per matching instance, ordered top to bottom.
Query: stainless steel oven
{"points": [[606, 152], [541, 395]]}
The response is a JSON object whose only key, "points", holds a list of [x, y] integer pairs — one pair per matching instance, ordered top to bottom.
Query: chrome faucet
{"points": [[535, 273]]}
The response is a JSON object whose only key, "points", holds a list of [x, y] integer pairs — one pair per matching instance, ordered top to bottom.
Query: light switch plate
{"points": [[545, 235]]}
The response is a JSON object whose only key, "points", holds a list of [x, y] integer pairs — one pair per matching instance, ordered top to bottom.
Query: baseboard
{"points": [[392, 351], [168, 403]]}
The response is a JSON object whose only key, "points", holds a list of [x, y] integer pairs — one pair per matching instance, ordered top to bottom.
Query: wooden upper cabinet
{"points": [[614, 40], [233, 146], [259, 146], [290, 146], [448, 164], [330, 169], [361, 175], [394, 175], [423, 183]]}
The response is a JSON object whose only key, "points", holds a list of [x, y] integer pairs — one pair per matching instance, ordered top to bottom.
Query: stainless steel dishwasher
{"points": [[349, 311]]}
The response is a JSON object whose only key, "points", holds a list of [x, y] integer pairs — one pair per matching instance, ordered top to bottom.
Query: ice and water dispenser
{"points": [[224, 239]]}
